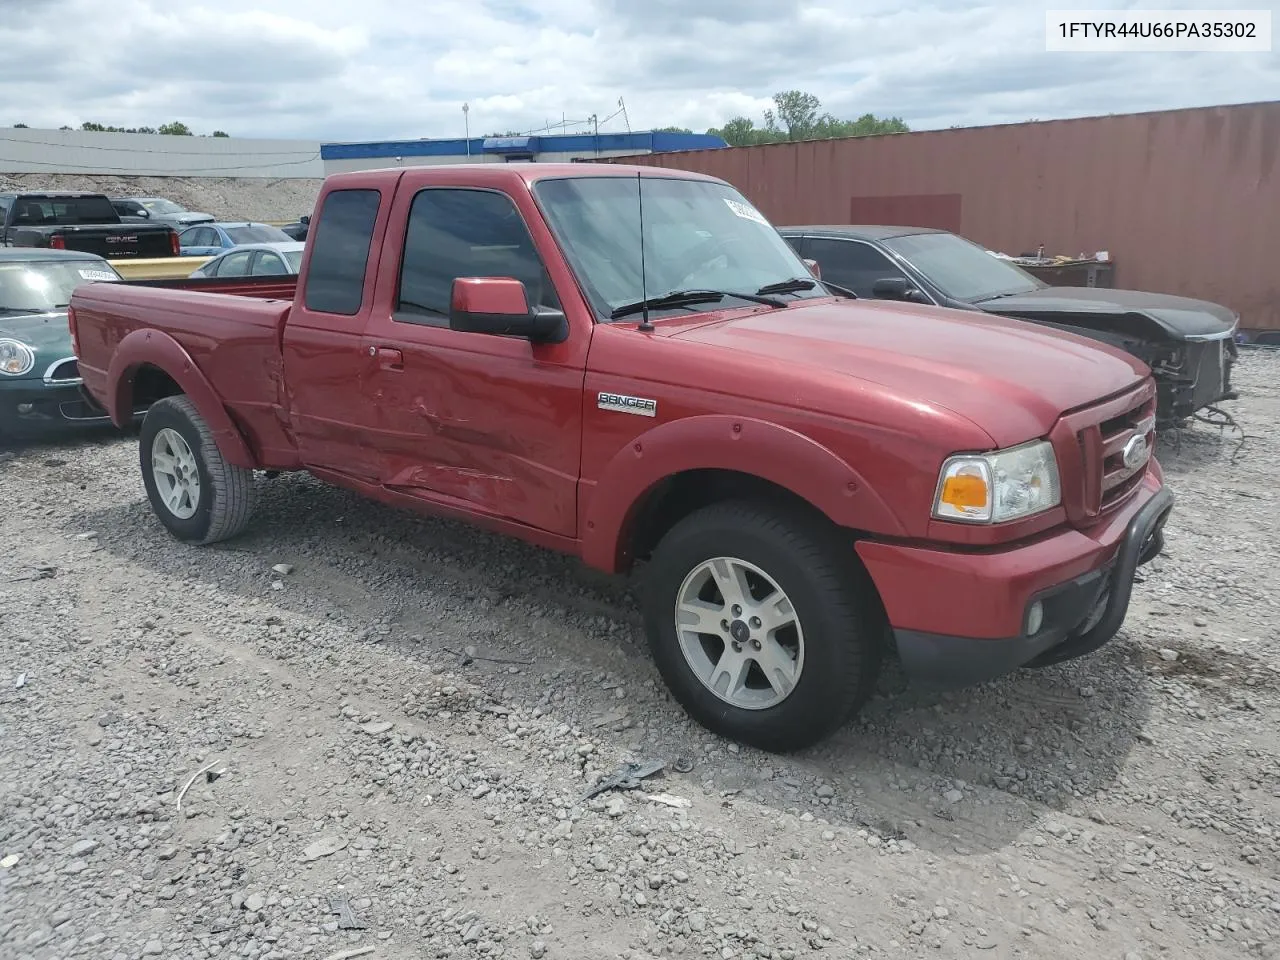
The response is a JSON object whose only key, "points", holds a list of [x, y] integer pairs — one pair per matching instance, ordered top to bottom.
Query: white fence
{"points": [[142, 154]]}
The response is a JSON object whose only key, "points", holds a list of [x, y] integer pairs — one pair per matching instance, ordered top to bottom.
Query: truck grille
{"points": [[1131, 433], [1113, 443]]}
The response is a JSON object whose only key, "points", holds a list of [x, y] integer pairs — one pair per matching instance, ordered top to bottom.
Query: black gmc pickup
{"points": [[87, 222]]}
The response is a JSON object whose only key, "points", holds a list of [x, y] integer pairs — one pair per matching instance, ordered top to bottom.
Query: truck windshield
{"points": [[697, 235], [960, 268], [44, 286]]}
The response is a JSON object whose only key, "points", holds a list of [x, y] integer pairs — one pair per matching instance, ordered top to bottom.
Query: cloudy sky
{"points": [[344, 70]]}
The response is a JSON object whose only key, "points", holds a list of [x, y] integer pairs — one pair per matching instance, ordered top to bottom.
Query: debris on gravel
{"points": [[408, 728]]}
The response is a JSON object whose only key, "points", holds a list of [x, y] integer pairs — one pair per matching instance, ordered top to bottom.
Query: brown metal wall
{"points": [[1185, 201]]}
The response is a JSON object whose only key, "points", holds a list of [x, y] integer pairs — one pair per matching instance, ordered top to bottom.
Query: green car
{"points": [[40, 387]]}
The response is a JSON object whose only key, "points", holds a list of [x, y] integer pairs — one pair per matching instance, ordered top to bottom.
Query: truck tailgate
{"points": [[125, 242]]}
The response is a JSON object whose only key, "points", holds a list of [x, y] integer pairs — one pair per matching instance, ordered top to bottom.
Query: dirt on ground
{"points": [[227, 198], [351, 715]]}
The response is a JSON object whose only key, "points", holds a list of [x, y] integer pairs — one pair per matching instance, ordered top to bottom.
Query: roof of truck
{"points": [[528, 172], [50, 193]]}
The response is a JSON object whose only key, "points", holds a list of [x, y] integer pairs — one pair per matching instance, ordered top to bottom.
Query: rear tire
{"points": [[198, 496], [802, 653]]}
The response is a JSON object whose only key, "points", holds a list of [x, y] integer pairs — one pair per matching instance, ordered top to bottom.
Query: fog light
{"points": [[25, 408], [1035, 618]]}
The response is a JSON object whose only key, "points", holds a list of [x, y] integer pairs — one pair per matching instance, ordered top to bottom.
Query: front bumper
{"points": [[963, 618]]}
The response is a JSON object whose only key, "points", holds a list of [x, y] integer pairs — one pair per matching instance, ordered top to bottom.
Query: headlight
{"points": [[16, 358], [994, 487]]}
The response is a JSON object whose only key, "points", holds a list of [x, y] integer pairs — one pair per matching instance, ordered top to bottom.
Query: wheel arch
{"points": [[155, 365], [682, 465]]}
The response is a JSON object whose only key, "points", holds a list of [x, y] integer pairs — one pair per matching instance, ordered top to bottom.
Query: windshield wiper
{"points": [[794, 285], [840, 291], [688, 298]]}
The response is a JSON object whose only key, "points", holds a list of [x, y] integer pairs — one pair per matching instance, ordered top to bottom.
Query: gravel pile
{"points": [[231, 198], [353, 729]]}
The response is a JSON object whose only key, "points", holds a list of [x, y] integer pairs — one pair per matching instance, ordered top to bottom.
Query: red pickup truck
{"points": [[632, 365]]}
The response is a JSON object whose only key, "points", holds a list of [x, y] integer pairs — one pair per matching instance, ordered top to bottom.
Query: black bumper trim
{"points": [[941, 662]]}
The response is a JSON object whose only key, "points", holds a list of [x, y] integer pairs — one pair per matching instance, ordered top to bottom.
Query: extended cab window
{"points": [[464, 233], [340, 251], [851, 264]]}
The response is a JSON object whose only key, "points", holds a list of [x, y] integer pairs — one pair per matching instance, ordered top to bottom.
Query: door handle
{"points": [[389, 358]]}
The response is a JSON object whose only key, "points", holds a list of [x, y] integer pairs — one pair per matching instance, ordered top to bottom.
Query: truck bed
{"points": [[263, 288], [231, 329]]}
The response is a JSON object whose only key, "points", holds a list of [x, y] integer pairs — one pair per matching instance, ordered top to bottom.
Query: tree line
{"points": [[795, 116], [175, 129]]}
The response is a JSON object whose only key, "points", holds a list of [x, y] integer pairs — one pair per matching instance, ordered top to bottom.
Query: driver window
{"points": [[464, 233], [851, 264]]}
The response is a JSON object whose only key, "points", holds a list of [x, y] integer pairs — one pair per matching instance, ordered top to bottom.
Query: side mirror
{"points": [[305, 218], [814, 269], [891, 288], [897, 288], [499, 306]]}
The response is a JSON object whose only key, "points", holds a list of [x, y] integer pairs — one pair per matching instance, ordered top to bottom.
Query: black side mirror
{"points": [[891, 288], [897, 288], [499, 306]]}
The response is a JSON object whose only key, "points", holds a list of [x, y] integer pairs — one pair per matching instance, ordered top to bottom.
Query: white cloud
{"points": [[333, 70]]}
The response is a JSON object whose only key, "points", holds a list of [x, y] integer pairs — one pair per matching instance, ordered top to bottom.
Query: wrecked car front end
{"points": [[1191, 374]]}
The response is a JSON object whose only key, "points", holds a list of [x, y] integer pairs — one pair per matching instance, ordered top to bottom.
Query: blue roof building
{"points": [[558, 148]]}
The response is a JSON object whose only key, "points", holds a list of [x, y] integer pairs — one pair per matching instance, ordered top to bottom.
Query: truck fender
{"points": [[158, 349], [716, 442]]}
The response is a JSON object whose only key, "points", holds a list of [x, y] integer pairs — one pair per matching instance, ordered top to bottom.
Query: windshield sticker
{"points": [[746, 211], [96, 275]]}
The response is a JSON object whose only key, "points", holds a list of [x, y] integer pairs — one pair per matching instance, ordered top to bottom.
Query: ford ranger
{"points": [[632, 366]]}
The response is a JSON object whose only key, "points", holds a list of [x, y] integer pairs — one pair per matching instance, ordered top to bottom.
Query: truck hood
{"points": [[1176, 317], [1012, 379]]}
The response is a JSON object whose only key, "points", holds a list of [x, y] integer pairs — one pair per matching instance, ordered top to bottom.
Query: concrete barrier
{"points": [[158, 268]]}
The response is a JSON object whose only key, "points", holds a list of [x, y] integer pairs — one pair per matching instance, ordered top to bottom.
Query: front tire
{"points": [[198, 496], [763, 624]]}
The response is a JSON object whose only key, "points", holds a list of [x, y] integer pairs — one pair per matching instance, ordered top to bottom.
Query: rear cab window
{"points": [[57, 211], [340, 246]]}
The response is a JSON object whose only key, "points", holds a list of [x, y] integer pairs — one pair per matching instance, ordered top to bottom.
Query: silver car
{"points": [[279, 259]]}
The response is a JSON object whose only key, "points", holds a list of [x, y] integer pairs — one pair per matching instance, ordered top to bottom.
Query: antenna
{"points": [[645, 325]]}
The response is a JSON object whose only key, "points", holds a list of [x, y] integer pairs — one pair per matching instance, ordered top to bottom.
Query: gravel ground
{"points": [[235, 198], [406, 713]]}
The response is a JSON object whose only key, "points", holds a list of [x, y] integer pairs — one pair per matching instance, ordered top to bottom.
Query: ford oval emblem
{"points": [[1135, 451]]}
